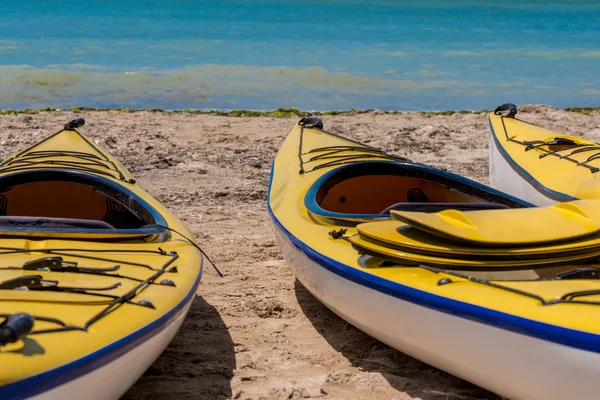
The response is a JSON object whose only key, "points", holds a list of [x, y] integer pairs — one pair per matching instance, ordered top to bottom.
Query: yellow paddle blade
{"points": [[517, 227], [400, 236], [412, 259]]}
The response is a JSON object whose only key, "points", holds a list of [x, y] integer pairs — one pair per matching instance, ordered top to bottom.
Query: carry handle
{"points": [[511, 108], [311, 122], [76, 123]]}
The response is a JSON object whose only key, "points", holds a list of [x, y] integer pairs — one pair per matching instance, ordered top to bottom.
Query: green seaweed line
{"points": [[279, 113]]}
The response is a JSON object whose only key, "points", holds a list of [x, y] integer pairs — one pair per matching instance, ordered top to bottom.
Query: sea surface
{"points": [[313, 55]]}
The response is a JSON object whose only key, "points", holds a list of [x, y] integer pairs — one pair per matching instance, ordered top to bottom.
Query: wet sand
{"points": [[257, 333]]}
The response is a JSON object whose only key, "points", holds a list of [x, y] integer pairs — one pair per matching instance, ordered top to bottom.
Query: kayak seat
{"points": [[435, 207], [60, 223]]}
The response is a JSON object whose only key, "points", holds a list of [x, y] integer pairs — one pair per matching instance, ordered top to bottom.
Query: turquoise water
{"points": [[314, 55]]}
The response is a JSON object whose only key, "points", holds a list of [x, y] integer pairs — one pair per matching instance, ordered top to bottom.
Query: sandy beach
{"points": [[257, 333]]}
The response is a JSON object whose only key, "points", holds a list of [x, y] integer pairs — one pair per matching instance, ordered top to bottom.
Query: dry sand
{"points": [[257, 333]]}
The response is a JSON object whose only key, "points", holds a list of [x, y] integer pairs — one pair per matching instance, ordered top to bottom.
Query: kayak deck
{"points": [[87, 297]]}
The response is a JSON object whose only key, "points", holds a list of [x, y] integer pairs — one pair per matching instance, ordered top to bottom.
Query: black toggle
{"points": [[15, 327]]}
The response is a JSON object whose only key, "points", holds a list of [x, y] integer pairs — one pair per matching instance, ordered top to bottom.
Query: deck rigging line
{"points": [[335, 155], [84, 162], [37, 283], [567, 298]]}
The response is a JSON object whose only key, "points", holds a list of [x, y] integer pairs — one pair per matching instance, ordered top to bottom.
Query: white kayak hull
{"points": [[503, 177], [513, 365]]}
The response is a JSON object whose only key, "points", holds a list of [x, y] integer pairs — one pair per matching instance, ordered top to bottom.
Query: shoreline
{"points": [[280, 112]]}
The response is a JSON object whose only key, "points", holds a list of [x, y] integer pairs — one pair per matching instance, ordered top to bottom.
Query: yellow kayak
{"points": [[539, 165], [96, 276], [508, 315]]}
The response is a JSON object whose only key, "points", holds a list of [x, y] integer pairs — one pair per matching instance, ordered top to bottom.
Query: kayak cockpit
{"points": [[370, 190], [61, 203]]}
